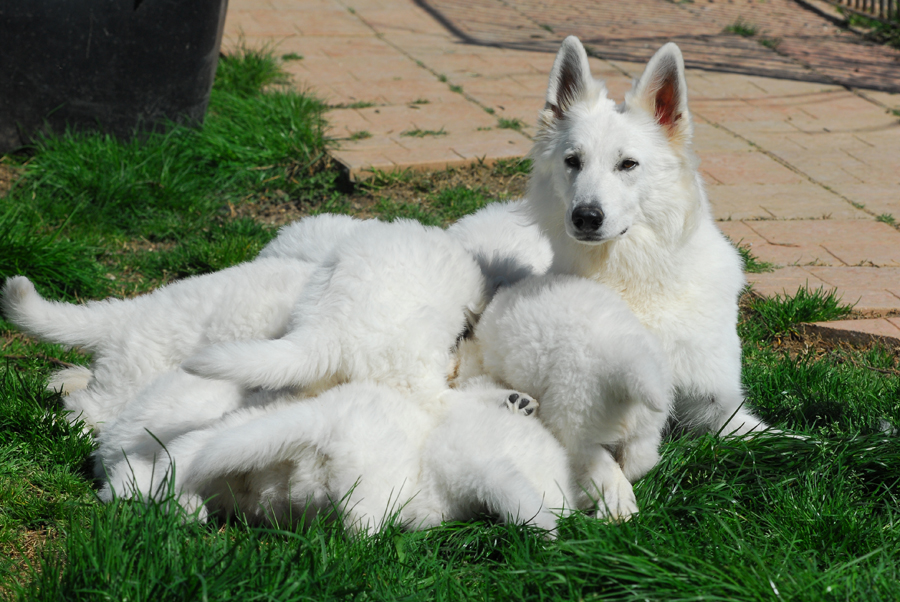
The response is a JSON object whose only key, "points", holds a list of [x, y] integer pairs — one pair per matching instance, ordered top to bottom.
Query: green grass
{"points": [[742, 28], [882, 32], [362, 104], [510, 124], [418, 133], [360, 135], [511, 167], [87, 195], [438, 209], [886, 218], [752, 264], [64, 268], [779, 315], [768, 518]]}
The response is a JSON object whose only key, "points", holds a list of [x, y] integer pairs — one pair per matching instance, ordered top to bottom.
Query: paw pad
{"points": [[517, 403]]}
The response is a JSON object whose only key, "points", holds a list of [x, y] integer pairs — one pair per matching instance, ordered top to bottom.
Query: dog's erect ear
{"points": [[569, 78], [662, 92]]}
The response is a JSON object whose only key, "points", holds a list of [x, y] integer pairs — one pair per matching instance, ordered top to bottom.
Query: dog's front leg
{"points": [[605, 486]]}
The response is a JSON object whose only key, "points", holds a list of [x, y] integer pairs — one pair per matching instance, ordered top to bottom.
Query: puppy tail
{"points": [[53, 321], [270, 364], [70, 380], [270, 439]]}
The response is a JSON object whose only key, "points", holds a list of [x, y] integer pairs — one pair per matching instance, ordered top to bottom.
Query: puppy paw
{"points": [[519, 403], [607, 492], [617, 502]]}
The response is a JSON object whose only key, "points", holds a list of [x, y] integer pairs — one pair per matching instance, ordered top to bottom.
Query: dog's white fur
{"points": [[312, 238], [505, 242], [657, 245], [387, 305], [136, 340], [602, 378], [368, 449]]}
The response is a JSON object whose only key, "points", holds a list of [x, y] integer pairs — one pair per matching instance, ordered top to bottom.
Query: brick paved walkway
{"points": [[796, 135]]}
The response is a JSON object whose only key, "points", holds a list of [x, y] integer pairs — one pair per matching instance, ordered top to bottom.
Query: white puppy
{"points": [[311, 238], [505, 242], [387, 305], [134, 341], [601, 377], [370, 451]]}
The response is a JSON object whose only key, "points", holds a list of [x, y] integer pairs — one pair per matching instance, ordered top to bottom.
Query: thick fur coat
{"points": [[615, 189], [387, 305], [602, 379], [373, 452]]}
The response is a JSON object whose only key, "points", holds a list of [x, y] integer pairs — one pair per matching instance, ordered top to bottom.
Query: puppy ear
{"points": [[569, 77], [662, 92]]}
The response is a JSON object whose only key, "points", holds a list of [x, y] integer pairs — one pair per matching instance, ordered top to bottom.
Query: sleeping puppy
{"points": [[369, 450]]}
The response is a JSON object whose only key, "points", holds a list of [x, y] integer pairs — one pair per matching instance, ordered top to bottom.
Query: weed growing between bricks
{"points": [[811, 518]]}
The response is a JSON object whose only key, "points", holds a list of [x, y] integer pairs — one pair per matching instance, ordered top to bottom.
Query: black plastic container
{"points": [[120, 66]]}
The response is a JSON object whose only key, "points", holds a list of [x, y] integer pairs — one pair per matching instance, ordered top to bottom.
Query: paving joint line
{"points": [[788, 165]]}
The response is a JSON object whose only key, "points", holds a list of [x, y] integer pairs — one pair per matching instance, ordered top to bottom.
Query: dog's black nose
{"points": [[587, 219]]}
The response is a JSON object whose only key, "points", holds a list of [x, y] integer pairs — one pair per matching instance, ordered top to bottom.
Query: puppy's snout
{"points": [[587, 219]]}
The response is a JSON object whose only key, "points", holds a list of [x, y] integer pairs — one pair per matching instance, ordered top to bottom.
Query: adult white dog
{"points": [[616, 190]]}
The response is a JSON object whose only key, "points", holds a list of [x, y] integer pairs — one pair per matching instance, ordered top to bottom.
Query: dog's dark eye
{"points": [[573, 161], [628, 164]]}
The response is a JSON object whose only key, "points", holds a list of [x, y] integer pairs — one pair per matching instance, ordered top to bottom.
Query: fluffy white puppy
{"points": [[311, 238], [505, 242], [387, 305], [134, 341], [601, 378], [370, 451]]}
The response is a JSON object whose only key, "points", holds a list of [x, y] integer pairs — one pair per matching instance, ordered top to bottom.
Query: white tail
{"points": [[54, 321], [269, 364]]}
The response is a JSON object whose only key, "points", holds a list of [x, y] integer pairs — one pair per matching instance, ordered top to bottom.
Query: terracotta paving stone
{"points": [[401, 20], [329, 24], [318, 70], [391, 92], [888, 99], [343, 122], [709, 139], [495, 144], [360, 163], [749, 167], [877, 198], [780, 201], [740, 233], [848, 242], [785, 281], [872, 289]]}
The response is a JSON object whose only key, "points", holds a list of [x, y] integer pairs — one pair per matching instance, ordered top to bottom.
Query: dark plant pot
{"points": [[121, 66]]}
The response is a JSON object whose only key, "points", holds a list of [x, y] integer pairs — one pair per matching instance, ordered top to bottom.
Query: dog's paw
{"points": [[519, 403], [616, 499]]}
